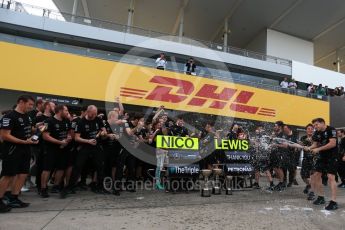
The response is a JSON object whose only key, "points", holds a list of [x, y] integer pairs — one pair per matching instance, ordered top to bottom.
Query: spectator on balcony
{"points": [[161, 62], [190, 67], [284, 85], [292, 86], [311, 89], [320, 91], [326, 91], [336, 91], [341, 91]]}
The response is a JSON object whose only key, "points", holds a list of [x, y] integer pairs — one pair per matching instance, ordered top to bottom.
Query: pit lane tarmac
{"points": [[257, 209]]}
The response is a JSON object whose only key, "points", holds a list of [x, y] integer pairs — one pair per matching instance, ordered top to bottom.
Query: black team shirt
{"points": [[40, 118], [19, 124], [57, 129], [89, 129], [112, 129], [180, 131], [323, 138], [307, 142]]}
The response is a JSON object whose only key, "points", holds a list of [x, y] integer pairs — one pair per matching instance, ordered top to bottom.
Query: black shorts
{"points": [[111, 154], [72, 155], [55, 158], [292, 159], [16, 160], [278, 160], [326, 164], [261, 165], [308, 167]]}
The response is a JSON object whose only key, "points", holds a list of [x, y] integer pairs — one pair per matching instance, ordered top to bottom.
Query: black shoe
{"points": [[295, 182], [289, 184], [93, 185], [342, 185], [256, 186], [83, 187], [278, 187], [271, 188], [55, 189], [306, 190], [98, 191], [64, 192], [116, 192], [44, 193], [311, 196], [7, 197], [320, 200], [16, 203], [332, 205], [4, 208]]}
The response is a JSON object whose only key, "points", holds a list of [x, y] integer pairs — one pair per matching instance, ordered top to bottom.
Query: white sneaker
{"points": [[25, 189]]}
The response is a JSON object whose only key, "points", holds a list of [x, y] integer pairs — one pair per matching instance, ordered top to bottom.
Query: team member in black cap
{"points": [[16, 132], [325, 148]]}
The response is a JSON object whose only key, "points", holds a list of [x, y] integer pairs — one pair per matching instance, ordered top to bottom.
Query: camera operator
{"points": [[190, 67], [16, 133]]}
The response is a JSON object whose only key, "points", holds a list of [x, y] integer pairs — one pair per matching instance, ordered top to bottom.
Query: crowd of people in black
{"points": [[68, 149]]}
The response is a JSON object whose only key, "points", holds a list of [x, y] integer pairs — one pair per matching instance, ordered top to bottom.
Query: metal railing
{"points": [[62, 16], [217, 74]]}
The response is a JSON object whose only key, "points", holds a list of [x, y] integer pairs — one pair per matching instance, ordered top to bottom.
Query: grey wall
{"points": [[337, 110]]}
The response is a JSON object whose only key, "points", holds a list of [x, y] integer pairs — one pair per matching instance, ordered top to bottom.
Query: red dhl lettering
{"points": [[176, 91]]}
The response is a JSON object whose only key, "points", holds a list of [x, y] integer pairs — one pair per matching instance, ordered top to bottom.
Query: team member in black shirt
{"points": [[38, 109], [48, 111], [178, 129], [16, 132], [88, 132], [56, 138], [129, 142], [112, 146], [325, 148], [207, 149], [73, 152], [277, 157], [292, 158], [308, 163], [341, 165]]}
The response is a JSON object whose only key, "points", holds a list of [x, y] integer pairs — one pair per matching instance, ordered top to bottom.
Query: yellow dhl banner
{"points": [[44, 71]]}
